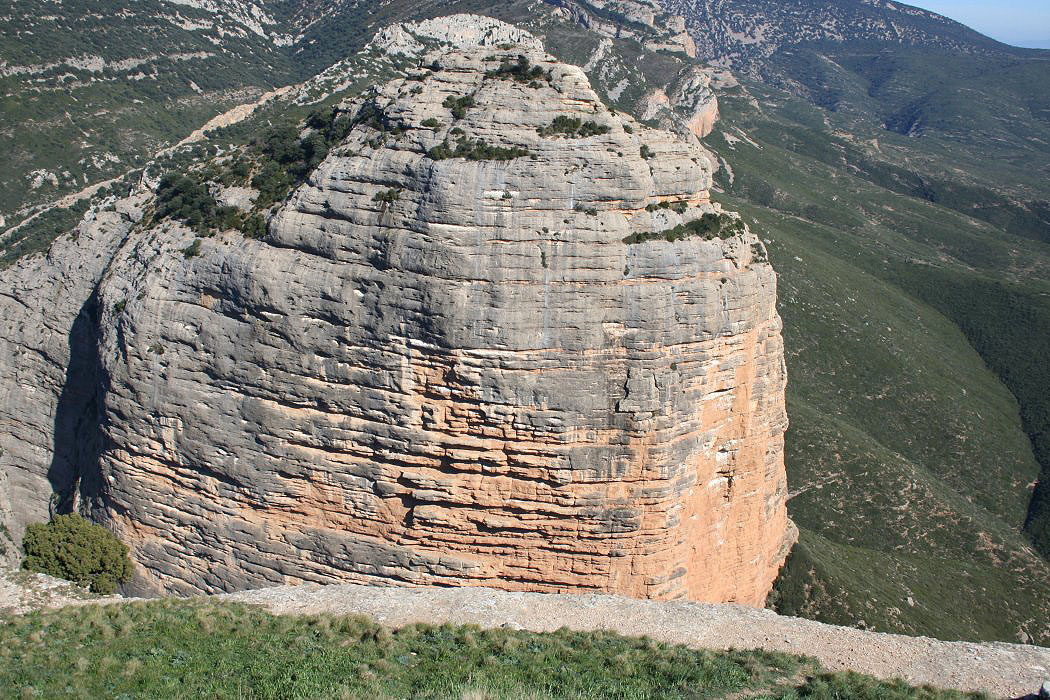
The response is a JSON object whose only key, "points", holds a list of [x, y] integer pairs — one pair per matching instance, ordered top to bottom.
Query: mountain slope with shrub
{"points": [[89, 89], [909, 467]]}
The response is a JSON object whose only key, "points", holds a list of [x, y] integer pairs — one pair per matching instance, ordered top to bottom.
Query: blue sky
{"points": [[1018, 22]]}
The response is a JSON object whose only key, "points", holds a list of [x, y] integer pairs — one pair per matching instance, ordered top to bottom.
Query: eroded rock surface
{"points": [[48, 366], [455, 371]]}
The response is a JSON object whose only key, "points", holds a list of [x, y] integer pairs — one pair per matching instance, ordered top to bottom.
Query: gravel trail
{"points": [[1003, 670]]}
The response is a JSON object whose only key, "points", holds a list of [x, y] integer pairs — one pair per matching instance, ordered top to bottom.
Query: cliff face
{"points": [[444, 370], [48, 371], [456, 371]]}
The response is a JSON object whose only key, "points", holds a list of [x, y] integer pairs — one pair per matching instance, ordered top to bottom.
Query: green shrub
{"points": [[519, 71], [458, 105], [431, 123], [572, 127], [475, 150], [645, 152], [273, 183], [387, 196], [184, 198], [189, 200], [677, 207], [253, 226], [709, 226], [193, 249], [72, 548]]}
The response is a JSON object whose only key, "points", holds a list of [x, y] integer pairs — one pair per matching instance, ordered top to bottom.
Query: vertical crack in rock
{"points": [[49, 369]]}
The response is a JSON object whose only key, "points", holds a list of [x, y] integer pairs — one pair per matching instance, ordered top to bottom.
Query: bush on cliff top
{"points": [[520, 70], [475, 150], [72, 548]]}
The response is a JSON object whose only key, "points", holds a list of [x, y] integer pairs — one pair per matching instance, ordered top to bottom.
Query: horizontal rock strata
{"points": [[443, 364], [439, 370]]}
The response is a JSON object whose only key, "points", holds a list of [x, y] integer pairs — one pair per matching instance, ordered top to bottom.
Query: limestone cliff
{"points": [[645, 21], [445, 363], [48, 373]]}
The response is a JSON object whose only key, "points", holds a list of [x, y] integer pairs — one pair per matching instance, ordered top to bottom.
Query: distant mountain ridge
{"points": [[743, 33]]}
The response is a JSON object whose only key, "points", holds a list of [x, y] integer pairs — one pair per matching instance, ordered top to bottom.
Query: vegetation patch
{"points": [[520, 70], [459, 105], [372, 115], [572, 127], [472, 149], [273, 164], [387, 197], [189, 200], [677, 207], [708, 227], [192, 250], [72, 548], [184, 648]]}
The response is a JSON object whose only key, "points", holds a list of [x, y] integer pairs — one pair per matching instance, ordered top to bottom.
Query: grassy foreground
{"points": [[193, 649]]}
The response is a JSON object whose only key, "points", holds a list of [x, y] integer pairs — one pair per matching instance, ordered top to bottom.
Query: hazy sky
{"points": [[1018, 22]]}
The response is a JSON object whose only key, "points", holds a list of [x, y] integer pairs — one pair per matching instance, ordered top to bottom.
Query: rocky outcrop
{"points": [[643, 20], [461, 30], [691, 104], [444, 364], [48, 365], [449, 370], [8, 551]]}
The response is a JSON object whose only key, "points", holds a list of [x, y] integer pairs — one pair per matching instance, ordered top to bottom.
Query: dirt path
{"points": [[22, 592], [1004, 670]]}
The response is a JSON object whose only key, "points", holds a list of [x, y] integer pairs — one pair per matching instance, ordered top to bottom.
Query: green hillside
{"points": [[89, 92], [909, 467]]}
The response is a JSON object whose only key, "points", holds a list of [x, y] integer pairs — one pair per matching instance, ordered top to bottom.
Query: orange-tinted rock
{"points": [[469, 380]]}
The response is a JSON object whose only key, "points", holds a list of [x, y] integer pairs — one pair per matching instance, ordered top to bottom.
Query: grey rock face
{"points": [[434, 369], [48, 370], [455, 371]]}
